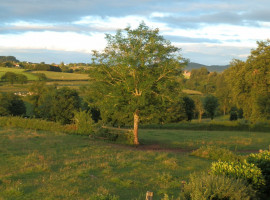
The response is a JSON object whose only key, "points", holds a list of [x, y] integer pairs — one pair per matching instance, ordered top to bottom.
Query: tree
{"points": [[137, 74], [10, 77], [14, 78], [21, 78], [249, 82], [38, 91], [223, 93], [11, 104], [210, 104], [59, 105], [189, 106], [199, 107]]}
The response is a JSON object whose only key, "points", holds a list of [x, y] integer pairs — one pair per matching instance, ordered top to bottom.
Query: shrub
{"points": [[84, 123], [34, 124], [106, 134], [114, 134], [216, 153], [262, 161], [248, 172], [205, 186]]}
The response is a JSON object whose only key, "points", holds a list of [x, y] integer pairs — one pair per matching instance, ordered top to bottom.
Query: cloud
{"points": [[80, 25], [210, 54]]}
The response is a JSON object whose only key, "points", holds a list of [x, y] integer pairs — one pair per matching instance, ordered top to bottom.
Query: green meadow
{"points": [[30, 76], [62, 76], [53, 165]]}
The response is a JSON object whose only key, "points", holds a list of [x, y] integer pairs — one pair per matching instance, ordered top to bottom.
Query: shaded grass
{"points": [[213, 125], [47, 165]]}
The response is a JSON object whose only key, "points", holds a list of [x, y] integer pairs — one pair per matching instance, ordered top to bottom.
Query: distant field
{"points": [[30, 76], [63, 76], [14, 88], [24, 88], [192, 92]]}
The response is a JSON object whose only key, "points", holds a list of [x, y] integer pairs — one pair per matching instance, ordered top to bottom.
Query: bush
{"points": [[84, 123], [34, 124], [114, 134], [216, 153], [262, 161], [248, 172], [205, 186]]}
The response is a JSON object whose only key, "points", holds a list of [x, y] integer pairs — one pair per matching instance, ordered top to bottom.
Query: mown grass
{"points": [[30, 76], [62, 76], [6, 87], [14, 88], [49, 165]]}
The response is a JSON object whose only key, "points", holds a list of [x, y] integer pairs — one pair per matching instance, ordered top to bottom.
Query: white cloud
{"points": [[65, 41]]}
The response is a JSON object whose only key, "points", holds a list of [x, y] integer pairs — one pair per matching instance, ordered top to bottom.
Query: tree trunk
{"points": [[224, 110], [200, 116], [136, 124]]}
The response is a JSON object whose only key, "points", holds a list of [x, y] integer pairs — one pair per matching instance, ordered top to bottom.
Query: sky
{"points": [[210, 32]]}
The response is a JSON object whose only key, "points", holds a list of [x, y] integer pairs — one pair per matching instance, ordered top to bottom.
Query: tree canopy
{"points": [[136, 76], [249, 83], [10, 104]]}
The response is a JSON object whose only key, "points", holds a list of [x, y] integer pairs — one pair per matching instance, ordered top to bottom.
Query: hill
{"points": [[8, 59], [211, 68]]}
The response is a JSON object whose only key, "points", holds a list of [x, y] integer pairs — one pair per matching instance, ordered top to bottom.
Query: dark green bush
{"points": [[123, 136], [216, 153], [262, 161], [205, 186]]}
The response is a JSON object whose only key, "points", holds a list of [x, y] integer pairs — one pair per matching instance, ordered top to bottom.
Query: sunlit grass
{"points": [[30, 76], [63, 76], [46, 165]]}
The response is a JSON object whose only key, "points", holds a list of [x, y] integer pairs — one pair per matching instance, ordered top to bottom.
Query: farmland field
{"points": [[30, 76], [63, 76], [48, 165]]}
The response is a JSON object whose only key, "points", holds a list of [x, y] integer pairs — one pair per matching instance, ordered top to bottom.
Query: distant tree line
{"points": [[8, 59], [243, 89]]}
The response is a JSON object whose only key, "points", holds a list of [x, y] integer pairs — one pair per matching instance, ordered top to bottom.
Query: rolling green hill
{"points": [[211, 68]]}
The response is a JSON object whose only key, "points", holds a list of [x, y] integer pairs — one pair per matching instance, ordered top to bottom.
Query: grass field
{"points": [[30, 76], [63, 76], [25, 87], [187, 139], [45, 165], [48, 165]]}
